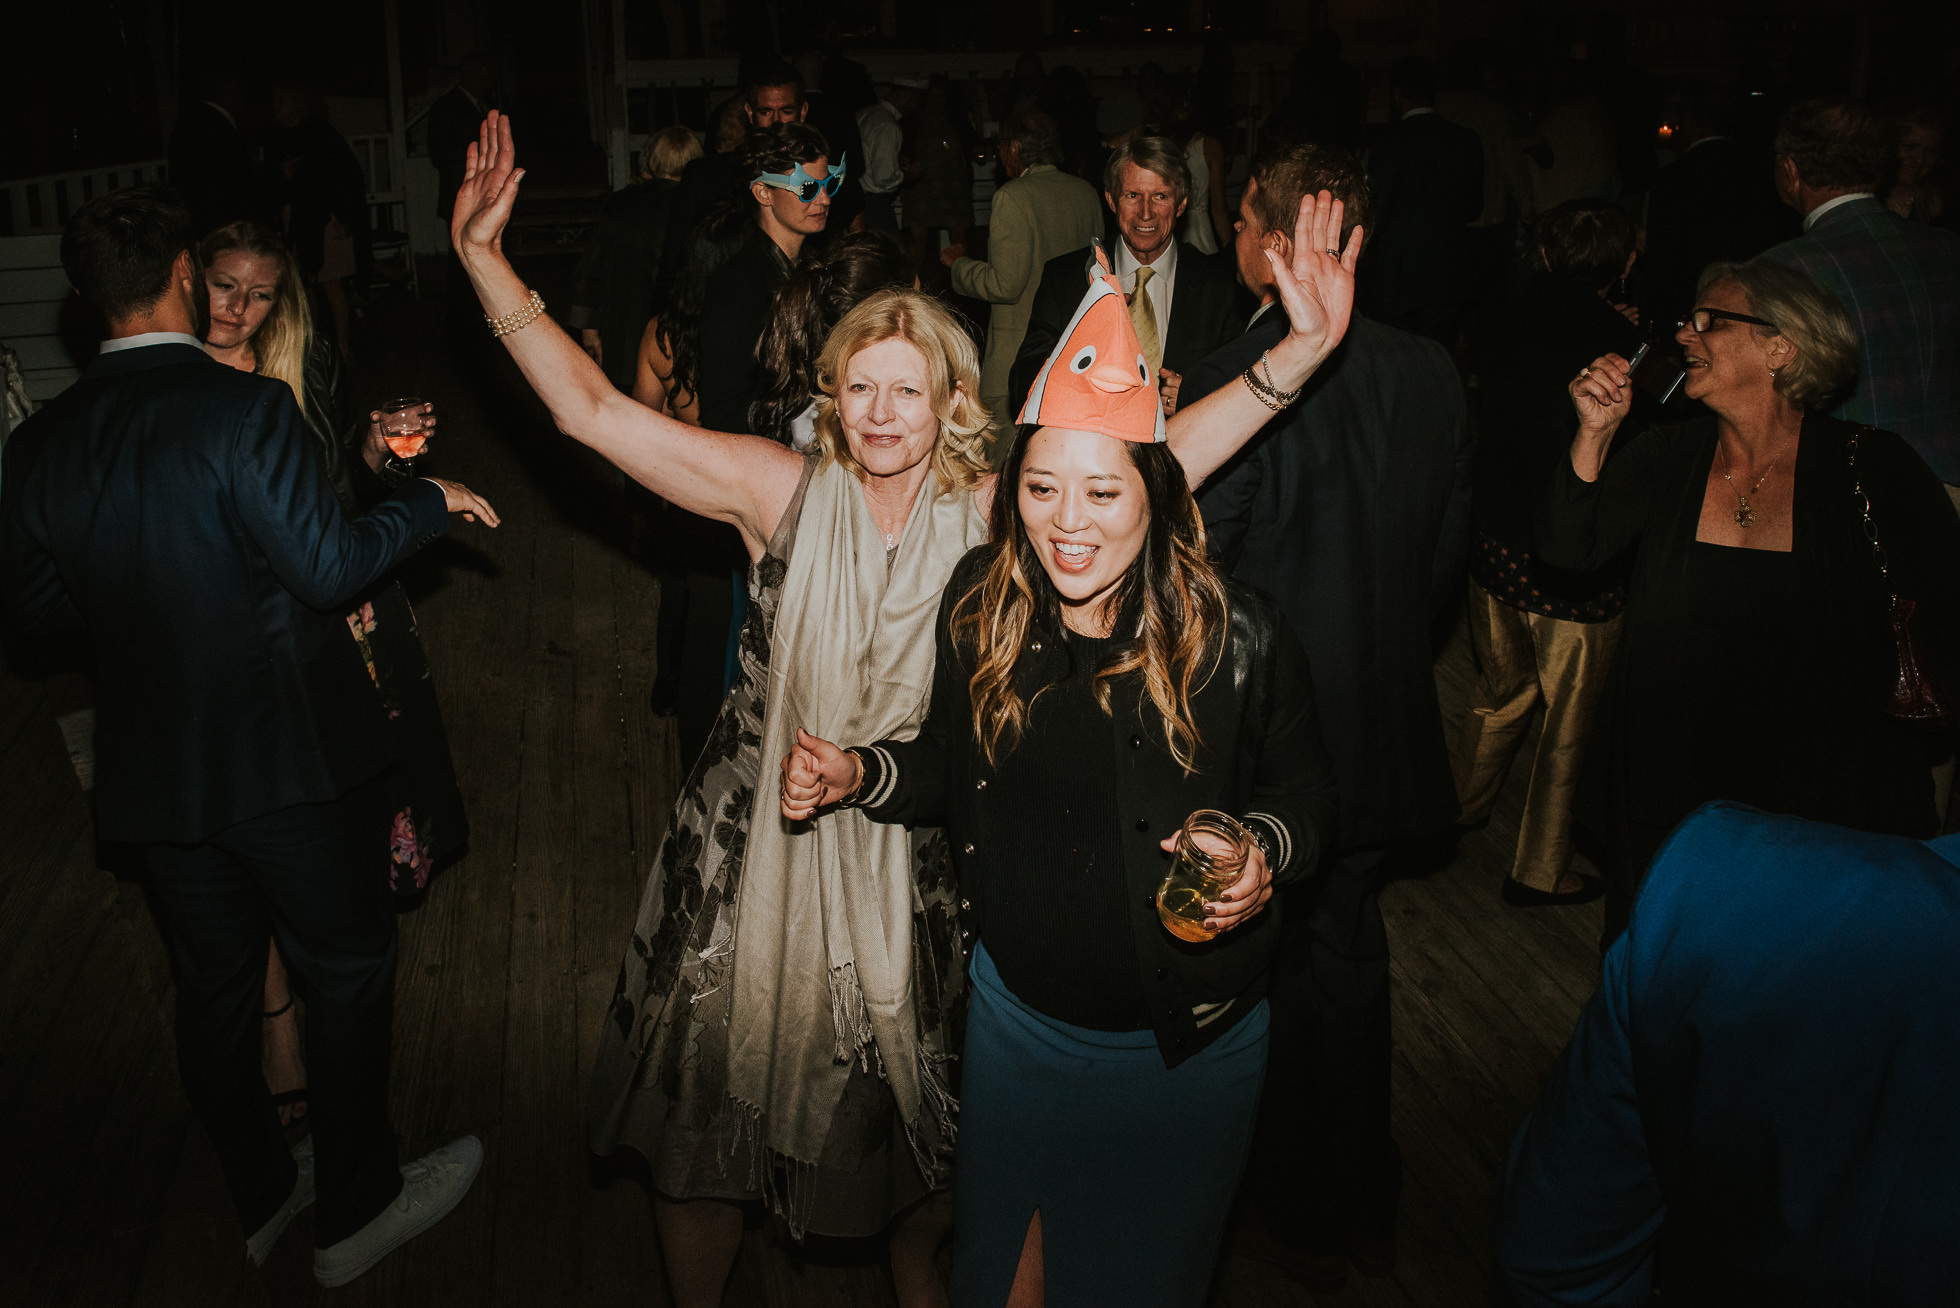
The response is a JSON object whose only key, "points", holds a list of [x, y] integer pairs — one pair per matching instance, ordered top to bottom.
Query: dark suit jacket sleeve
{"points": [[1062, 284], [1226, 499], [284, 503], [1227, 503], [32, 596], [1294, 804], [1582, 1209]]}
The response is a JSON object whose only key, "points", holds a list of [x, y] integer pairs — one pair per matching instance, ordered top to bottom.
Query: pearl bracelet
{"points": [[518, 319]]}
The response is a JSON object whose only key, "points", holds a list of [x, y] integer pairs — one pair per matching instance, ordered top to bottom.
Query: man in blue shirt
{"points": [[1757, 1105]]}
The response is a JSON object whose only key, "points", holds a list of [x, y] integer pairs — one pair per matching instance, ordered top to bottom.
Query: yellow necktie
{"points": [[1144, 317]]}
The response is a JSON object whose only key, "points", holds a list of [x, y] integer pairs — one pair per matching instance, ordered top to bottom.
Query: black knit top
{"points": [[1262, 760], [1075, 957]]}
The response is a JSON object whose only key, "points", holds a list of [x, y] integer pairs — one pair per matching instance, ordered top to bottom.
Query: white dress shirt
{"points": [[1829, 205], [1160, 287], [137, 342]]}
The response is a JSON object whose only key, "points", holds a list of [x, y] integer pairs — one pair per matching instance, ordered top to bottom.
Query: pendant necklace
{"points": [[1745, 514]]}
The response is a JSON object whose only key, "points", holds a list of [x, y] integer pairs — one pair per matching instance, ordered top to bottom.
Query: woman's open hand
{"points": [[489, 189], [1316, 288], [1602, 394], [817, 774], [1246, 897]]}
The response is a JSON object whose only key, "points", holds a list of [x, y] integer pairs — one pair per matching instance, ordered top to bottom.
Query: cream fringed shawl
{"points": [[823, 929]]}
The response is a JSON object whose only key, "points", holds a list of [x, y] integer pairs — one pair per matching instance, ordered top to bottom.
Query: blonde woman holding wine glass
{"points": [[258, 321]]}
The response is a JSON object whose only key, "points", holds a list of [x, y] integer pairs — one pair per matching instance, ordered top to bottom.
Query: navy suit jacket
{"points": [[175, 509], [1352, 509], [1761, 1090]]}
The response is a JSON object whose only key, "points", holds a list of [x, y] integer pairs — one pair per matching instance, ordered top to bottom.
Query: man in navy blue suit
{"points": [[175, 511], [1757, 1105]]}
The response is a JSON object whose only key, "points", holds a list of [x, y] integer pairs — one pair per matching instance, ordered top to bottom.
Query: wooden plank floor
{"points": [[541, 637]]}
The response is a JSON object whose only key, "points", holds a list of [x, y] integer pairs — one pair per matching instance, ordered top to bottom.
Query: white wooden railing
{"points": [[38, 206]]}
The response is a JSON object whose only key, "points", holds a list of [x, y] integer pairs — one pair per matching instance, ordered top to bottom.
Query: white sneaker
{"points": [[431, 1186], [258, 1245]]}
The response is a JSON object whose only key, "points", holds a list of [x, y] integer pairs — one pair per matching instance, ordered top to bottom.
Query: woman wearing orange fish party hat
{"points": [[1122, 747]]}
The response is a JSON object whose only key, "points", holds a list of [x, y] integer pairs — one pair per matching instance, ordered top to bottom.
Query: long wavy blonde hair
{"points": [[283, 340], [959, 456], [1171, 590]]}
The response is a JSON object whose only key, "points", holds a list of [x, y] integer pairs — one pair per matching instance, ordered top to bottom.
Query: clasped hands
{"points": [[819, 775]]}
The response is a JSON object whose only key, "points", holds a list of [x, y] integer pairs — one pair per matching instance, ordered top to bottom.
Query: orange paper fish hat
{"points": [[1098, 379]]}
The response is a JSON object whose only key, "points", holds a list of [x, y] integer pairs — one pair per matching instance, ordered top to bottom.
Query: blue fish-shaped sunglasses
{"points": [[806, 186]]}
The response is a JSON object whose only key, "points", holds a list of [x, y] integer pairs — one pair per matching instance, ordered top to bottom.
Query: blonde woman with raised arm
{"points": [[780, 1030]]}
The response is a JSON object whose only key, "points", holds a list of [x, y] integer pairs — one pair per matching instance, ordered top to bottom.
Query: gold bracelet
{"points": [[518, 319], [1260, 391], [1283, 397], [851, 797]]}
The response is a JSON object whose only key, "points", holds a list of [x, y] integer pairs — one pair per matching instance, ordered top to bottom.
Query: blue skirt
{"points": [[1131, 1165]]}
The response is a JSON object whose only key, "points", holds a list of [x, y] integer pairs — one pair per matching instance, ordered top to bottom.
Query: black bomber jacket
{"points": [[1262, 760]]}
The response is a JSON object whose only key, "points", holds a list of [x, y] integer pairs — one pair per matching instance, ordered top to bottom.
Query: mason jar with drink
{"points": [[1211, 851]]}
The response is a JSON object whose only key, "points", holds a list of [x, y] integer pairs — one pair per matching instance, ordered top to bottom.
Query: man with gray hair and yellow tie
{"points": [[1183, 303]]}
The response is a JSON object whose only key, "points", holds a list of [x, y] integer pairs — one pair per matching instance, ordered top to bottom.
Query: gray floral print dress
{"points": [[660, 1083]]}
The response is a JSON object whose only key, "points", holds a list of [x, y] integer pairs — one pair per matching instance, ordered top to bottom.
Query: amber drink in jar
{"points": [[1210, 855]]}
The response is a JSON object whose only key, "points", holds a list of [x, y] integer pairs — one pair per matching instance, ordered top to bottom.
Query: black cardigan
{"points": [[1262, 760], [1854, 766]]}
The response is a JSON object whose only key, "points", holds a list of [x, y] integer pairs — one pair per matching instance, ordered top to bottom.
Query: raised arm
{"points": [[1316, 287], [741, 479], [1591, 511]]}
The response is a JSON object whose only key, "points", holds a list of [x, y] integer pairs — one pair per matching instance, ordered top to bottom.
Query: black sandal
{"points": [[1518, 895]]}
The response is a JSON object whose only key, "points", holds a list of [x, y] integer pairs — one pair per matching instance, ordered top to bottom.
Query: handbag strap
{"points": [[1865, 510]]}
